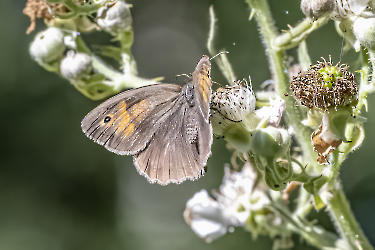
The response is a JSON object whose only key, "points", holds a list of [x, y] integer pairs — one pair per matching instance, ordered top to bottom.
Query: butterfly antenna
{"points": [[222, 52], [217, 83]]}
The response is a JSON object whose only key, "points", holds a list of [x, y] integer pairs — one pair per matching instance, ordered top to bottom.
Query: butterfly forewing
{"points": [[202, 85], [126, 122], [166, 127]]}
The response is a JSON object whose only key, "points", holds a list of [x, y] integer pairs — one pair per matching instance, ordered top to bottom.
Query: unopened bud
{"points": [[316, 8], [115, 18], [364, 29], [48, 45], [75, 65], [270, 142]]}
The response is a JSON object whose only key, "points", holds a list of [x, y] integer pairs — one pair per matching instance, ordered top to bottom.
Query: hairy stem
{"points": [[295, 35], [279, 73], [343, 218]]}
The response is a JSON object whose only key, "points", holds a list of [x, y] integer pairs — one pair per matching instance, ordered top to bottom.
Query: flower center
{"points": [[330, 74]]}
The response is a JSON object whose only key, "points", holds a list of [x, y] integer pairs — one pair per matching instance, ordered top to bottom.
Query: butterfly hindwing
{"points": [[180, 148]]}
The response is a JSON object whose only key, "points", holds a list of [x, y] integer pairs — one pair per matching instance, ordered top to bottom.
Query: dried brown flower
{"points": [[39, 9]]}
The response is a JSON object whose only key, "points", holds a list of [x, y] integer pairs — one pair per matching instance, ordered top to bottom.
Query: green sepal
{"points": [[338, 119], [238, 136], [270, 142], [314, 184], [318, 203]]}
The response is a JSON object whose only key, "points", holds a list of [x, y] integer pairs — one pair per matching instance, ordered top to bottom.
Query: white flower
{"points": [[348, 8], [115, 17], [356, 19], [364, 30], [70, 40], [48, 45], [76, 65], [273, 112], [235, 191], [235, 201], [206, 216]]}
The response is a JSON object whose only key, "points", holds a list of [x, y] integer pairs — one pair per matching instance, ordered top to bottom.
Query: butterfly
{"points": [[165, 127]]}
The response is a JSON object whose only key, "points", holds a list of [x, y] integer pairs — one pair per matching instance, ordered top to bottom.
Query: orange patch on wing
{"points": [[204, 86], [123, 105], [139, 110], [125, 121], [129, 130]]}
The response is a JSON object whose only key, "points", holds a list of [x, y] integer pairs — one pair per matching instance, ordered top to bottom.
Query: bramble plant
{"points": [[321, 106]]}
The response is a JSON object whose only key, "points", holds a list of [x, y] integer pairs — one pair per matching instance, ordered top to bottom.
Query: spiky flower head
{"points": [[325, 85], [233, 102], [230, 105]]}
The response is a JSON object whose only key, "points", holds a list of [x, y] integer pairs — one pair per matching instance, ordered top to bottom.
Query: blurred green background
{"points": [[59, 190]]}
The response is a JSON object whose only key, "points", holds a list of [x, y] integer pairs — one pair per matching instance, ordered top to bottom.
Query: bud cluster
{"points": [[61, 49]]}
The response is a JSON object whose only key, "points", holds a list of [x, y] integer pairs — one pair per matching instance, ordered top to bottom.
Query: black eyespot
{"points": [[107, 119], [277, 186]]}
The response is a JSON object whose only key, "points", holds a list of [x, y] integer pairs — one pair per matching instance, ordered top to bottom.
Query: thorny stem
{"points": [[295, 35], [366, 86], [338, 206], [346, 224]]}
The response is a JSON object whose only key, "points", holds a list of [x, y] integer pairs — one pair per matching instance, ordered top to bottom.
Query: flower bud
{"points": [[316, 8], [115, 18], [364, 29], [48, 45], [75, 65], [238, 136], [270, 142], [275, 177]]}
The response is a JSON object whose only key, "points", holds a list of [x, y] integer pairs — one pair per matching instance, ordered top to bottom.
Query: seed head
{"points": [[325, 85]]}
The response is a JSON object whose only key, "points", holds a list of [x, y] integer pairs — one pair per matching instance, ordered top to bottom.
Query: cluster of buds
{"points": [[61, 49], [254, 132]]}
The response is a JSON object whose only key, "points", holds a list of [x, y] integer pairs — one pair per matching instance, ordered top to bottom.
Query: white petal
{"points": [[208, 229]]}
